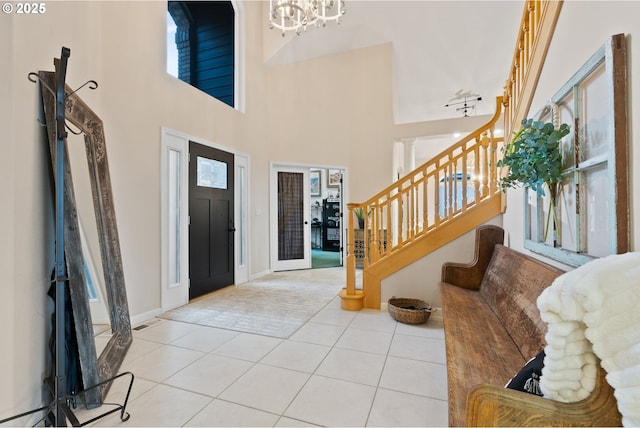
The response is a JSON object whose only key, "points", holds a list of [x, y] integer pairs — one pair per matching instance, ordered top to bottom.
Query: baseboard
{"points": [[141, 318]]}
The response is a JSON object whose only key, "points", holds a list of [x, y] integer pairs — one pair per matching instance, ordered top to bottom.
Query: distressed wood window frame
{"points": [[611, 56]]}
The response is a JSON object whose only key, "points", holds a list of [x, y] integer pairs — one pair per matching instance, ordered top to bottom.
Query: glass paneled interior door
{"points": [[290, 214]]}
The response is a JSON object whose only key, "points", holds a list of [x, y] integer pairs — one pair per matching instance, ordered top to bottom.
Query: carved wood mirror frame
{"points": [[95, 369]]}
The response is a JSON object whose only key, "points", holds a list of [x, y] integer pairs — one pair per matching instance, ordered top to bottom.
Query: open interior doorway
{"points": [[306, 217], [327, 226]]}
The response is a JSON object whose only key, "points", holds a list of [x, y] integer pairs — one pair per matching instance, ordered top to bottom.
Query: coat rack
{"points": [[60, 384], [59, 410]]}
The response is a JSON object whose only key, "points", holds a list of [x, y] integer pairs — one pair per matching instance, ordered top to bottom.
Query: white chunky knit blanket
{"points": [[594, 309]]}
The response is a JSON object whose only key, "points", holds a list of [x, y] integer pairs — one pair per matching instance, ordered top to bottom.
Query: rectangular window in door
{"points": [[290, 215]]}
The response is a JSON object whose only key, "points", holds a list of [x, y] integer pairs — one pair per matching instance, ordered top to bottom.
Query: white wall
{"points": [[582, 28], [337, 110], [339, 114], [7, 220], [420, 280]]}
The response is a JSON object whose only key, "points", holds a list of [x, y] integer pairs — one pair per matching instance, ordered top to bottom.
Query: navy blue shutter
{"points": [[213, 49]]}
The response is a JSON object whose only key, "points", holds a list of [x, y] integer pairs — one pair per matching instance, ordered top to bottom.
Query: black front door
{"points": [[211, 227]]}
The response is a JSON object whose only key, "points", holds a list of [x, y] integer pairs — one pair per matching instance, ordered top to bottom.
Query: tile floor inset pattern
{"points": [[274, 305], [339, 368]]}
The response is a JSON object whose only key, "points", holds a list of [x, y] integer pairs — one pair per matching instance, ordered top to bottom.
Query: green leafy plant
{"points": [[534, 158], [360, 216]]}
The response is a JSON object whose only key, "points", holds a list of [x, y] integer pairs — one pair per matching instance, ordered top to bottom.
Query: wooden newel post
{"points": [[351, 258], [352, 299]]}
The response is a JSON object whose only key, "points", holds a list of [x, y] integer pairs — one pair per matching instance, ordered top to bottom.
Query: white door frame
{"points": [[241, 202], [273, 208], [175, 251]]}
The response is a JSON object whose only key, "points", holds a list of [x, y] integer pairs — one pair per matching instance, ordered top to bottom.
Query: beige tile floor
{"points": [[339, 369]]}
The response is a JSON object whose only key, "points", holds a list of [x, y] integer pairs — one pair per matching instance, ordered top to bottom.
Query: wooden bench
{"points": [[492, 328]]}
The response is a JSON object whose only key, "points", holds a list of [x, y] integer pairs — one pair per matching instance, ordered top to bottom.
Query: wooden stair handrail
{"points": [[538, 23], [407, 178], [451, 183], [400, 215]]}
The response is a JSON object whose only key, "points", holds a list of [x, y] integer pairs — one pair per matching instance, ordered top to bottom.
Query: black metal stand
{"points": [[60, 385], [64, 404], [60, 409]]}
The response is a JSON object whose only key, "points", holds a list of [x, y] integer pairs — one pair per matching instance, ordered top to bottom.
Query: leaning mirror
{"points": [[90, 228]]}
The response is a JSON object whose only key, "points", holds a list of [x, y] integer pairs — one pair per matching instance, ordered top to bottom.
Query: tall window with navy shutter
{"points": [[202, 50]]}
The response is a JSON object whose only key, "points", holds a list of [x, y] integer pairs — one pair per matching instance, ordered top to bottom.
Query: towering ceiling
{"points": [[440, 48]]}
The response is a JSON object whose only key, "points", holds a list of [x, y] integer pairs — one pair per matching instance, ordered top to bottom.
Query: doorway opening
{"points": [[307, 216], [222, 217], [326, 217]]}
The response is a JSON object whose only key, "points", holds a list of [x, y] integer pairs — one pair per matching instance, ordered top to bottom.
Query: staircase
{"points": [[454, 192]]}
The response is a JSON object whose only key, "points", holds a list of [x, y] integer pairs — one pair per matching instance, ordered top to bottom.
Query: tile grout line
{"points": [[331, 348], [386, 358], [314, 373]]}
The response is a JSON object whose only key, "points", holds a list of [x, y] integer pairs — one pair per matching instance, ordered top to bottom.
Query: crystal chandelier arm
{"points": [[330, 10], [296, 15]]}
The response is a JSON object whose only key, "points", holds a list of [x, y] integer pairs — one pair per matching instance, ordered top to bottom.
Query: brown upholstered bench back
{"points": [[510, 286]]}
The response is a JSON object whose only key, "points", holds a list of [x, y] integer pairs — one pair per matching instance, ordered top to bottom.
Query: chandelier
{"points": [[295, 15]]}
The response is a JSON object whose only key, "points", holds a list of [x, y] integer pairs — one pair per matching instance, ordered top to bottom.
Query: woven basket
{"points": [[409, 311]]}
